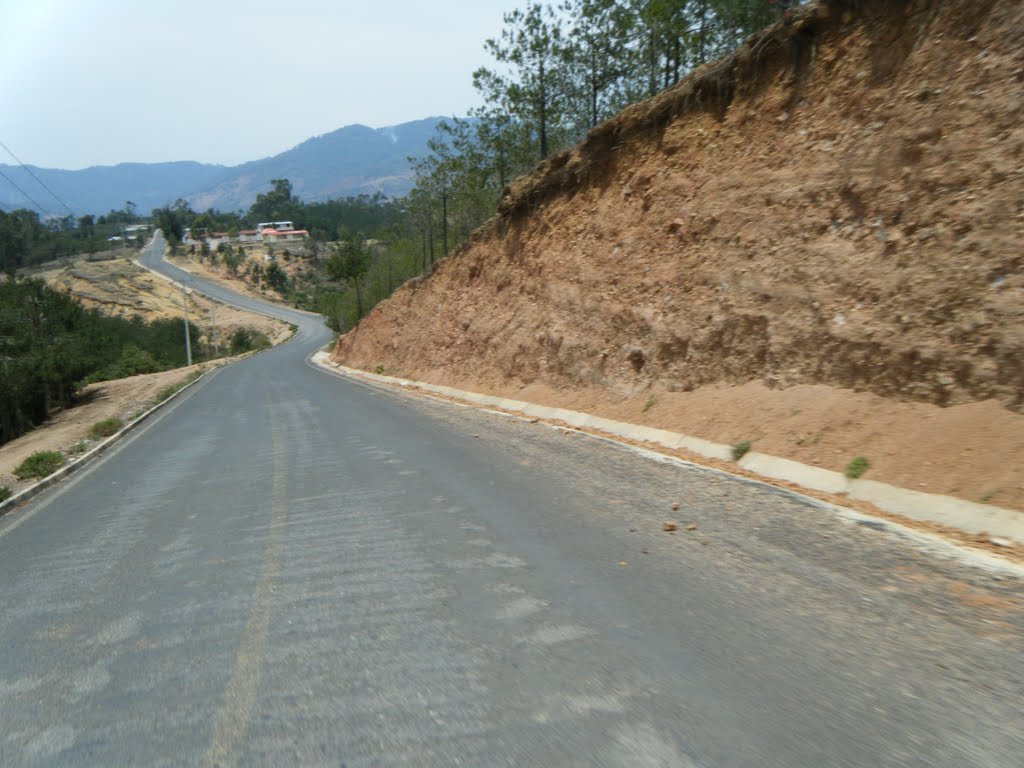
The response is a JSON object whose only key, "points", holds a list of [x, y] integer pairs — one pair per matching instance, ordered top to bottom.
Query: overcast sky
{"points": [[98, 82]]}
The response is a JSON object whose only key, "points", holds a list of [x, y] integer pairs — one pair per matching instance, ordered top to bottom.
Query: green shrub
{"points": [[247, 340], [131, 362], [650, 403], [105, 428], [740, 450], [39, 464], [857, 467], [5, 492]]}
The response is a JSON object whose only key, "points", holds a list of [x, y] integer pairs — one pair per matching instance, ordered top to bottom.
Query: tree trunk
{"points": [[702, 34], [652, 61], [542, 111], [502, 178], [444, 223], [430, 240]]}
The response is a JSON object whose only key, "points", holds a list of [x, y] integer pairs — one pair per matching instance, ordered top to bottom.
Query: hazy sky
{"points": [[97, 82]]}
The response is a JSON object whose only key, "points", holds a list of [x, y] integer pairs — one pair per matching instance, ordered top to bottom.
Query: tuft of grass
{"points": [[379, 370], [172, 389], [167, 392], [650, 403], [105, 428], [80, 447], [741, 449], [40, 464], [857, 467], [5, 492], [990, 495]]}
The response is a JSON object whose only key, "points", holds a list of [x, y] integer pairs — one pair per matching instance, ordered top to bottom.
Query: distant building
{"points": [[280, 226], [265, 232], [283, 236], [213, 239]]}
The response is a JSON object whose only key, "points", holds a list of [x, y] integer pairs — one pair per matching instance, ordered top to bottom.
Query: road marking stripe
{"points": [[242, 689]]}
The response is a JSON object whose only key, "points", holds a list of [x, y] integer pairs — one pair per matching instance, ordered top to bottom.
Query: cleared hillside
{"points": [[839, 203], [122, 288]]}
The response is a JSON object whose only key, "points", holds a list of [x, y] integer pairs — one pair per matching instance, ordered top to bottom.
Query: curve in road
{"points": [[287, 568]]}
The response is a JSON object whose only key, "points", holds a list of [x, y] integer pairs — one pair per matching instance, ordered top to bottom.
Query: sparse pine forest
{"points": [[555, 71]]}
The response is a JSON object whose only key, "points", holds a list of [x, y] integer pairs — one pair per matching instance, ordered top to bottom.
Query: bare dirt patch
{"points": [[125, 289], [121, 398], [964, 451]]}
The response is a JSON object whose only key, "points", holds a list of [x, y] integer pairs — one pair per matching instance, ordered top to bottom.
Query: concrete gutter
{"points": [[966, 516]]}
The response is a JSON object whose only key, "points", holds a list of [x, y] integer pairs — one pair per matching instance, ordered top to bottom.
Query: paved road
{"points": [[290, 568]]}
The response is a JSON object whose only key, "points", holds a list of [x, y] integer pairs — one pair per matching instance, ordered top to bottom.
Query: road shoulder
{"points": [[982, 528]]}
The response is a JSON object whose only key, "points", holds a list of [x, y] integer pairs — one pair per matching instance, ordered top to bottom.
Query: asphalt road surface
{"points": [[289, 568]]}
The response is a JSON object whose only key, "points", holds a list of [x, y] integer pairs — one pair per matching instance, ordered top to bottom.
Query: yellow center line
{"points": [[242, 689]]}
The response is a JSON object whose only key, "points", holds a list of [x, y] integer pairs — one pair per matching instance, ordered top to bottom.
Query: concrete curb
{"points": [[100, 448], [926, 507]]}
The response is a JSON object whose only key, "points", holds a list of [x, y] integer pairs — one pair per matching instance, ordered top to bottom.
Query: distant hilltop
{"points": [[352, 160]]}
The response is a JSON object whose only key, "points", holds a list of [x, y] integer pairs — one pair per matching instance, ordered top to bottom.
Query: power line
{"points": [[29, 172], [26, 194]]}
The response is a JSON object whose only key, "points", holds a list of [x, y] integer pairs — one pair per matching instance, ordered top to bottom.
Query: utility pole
{"points": [[213, 332], [188, 342]]}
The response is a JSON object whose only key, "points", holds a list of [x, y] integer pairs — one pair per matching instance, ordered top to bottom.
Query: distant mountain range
{"points": [[349, 161]]}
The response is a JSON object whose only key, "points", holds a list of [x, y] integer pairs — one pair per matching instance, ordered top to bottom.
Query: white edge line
{"points": [[100, 448], [9, 505], [930, 542]]}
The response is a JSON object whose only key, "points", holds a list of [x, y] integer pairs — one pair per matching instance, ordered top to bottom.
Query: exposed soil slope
{"points": [[839, 203], [120, 287]]}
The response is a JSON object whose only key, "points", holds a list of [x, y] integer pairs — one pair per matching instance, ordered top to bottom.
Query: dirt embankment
{"points": [[826, 223]]}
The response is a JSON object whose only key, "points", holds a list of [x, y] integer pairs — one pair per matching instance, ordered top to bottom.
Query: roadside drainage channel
{"points": [[76, 464], [966, 516]]}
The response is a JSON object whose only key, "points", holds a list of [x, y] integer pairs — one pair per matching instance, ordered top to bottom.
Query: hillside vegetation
{"points": [[836, 202], [52, 345]]}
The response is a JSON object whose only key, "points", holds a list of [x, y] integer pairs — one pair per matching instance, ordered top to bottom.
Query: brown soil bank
{"points": [[840, 203]]}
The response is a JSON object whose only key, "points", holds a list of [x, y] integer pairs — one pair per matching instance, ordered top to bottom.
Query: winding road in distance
{"points": [[289, 568]]}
